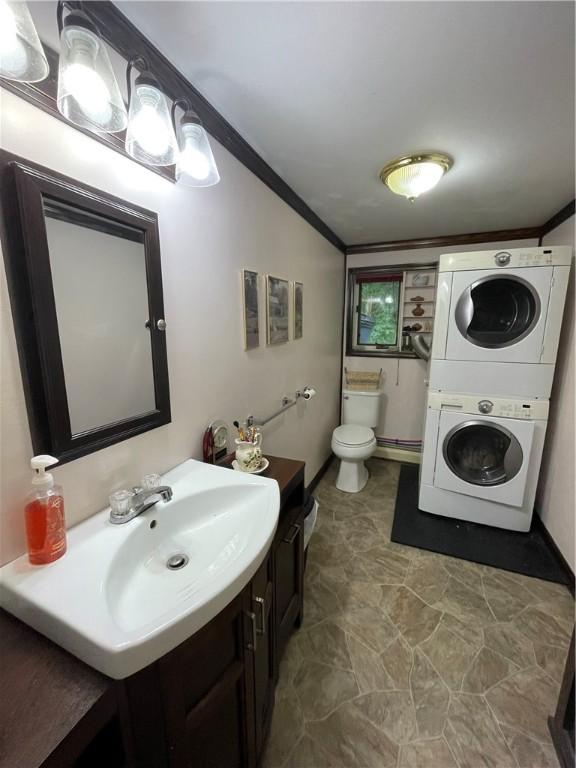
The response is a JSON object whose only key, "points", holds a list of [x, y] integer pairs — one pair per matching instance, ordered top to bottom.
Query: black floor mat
{"points": [[527, 553]]}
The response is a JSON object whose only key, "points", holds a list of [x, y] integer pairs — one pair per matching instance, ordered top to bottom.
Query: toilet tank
{"points": [[362, 408]]}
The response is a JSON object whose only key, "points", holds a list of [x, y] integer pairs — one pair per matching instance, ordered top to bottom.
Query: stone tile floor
{"points": [[410, 659]]}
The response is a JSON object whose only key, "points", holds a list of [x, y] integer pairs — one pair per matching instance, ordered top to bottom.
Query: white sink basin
{"points": [[113, 602]]}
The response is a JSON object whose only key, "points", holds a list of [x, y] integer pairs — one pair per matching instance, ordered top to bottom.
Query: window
{"points": [[376, 299], [386, 305]]}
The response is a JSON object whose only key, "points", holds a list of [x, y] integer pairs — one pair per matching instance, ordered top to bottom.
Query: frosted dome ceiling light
{"points": [[22, 57], [88, 93], [195, 164], [412, 175]]}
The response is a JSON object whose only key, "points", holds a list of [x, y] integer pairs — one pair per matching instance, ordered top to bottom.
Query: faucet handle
{"points": [[151, 481], [137, 489], [120, 502]]}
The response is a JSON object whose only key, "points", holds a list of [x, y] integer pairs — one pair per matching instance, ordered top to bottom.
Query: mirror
{"points": [[93, 353]]}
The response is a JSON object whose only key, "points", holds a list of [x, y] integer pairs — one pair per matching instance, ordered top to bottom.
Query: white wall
{"points": [[206, 237], [402, 414], [555, 497]]}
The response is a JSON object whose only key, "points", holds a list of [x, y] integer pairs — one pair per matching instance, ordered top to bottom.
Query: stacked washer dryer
{"points": [[496, 333]]}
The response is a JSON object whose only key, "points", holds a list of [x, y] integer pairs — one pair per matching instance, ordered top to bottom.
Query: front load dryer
{"points": [[494, 309], [481, 458]]}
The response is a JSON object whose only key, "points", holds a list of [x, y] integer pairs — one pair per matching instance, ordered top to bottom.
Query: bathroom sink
{"points": [[124, 595]]}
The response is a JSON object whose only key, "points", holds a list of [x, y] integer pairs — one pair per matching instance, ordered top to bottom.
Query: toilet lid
{"points": [[352, 434]]}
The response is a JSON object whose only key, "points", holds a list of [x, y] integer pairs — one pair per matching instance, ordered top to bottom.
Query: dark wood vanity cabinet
{"points": [[289, 572], [262, 595], [209, 702], [206, 704]]}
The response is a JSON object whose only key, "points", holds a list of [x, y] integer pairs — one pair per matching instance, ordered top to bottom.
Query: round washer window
{"points": [[497, 311], [482, 454]]}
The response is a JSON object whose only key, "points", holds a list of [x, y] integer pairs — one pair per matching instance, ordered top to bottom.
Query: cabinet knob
{"points": [[161, 324]]}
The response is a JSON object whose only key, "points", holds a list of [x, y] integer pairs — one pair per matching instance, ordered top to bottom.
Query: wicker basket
{"points": [[366, 381]]}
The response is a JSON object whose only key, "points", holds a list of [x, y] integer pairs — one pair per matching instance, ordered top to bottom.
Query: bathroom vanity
{"points": [[206, 703]]}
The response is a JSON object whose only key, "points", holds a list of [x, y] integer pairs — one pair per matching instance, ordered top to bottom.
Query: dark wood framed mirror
{"points": [[85, 282]]}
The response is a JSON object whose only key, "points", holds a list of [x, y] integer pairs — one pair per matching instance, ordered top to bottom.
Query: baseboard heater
{"points": [[405, 445]]}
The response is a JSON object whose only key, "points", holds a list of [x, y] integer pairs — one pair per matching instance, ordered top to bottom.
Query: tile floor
{"points": [[409, 659]]}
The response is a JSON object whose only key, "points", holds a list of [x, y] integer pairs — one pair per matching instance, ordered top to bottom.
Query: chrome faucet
{"points": [[142, 499]]}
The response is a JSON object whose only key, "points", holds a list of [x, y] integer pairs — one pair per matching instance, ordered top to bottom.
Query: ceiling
{"points": [[327, 92]]}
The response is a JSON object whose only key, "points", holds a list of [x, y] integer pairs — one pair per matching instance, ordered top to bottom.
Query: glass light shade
{"points": [[22, 57], [88, 94], [150, 137], [195, 166], [412, 176]]}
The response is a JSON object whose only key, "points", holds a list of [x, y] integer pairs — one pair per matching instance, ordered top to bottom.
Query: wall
{"points": [[206, 237], [404, 387], [555, 501]]}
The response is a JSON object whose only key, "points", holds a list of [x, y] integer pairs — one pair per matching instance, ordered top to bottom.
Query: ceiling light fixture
{"points": [[22, 57], [88, 93], [150, 137], [195, 164], [412, 175]]}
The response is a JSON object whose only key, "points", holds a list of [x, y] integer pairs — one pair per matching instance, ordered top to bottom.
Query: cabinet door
{"points": [[288, 581], [262, 601], [207, 690]]}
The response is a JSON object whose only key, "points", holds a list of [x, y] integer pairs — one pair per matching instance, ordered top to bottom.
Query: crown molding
{"points": [[558, 218], [446, 240]]}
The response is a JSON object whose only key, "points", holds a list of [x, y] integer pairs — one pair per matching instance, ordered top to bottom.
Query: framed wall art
{"points": [[277, 309], [298, 309], [250, 318]]}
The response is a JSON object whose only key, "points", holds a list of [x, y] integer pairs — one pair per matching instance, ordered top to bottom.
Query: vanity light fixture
{"points": [[22, 57], [88, 93], [150, 137], [195, 164], [412, 175]]}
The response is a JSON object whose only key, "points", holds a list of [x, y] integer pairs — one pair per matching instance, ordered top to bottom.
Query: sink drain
{"points": [[176, 562]]}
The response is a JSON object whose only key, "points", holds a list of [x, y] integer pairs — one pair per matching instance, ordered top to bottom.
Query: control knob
{"points": [[502, 258], [485, 406]]}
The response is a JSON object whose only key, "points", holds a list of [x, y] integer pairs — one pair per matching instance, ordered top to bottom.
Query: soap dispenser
{"points": [[45, 527]]}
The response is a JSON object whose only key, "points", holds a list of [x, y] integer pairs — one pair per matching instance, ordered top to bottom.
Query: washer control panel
{"points": [[554, 255], [503, 407]]}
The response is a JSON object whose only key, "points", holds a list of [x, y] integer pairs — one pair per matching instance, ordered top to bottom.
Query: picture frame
{"points": [[250, 309], [277, 310], [297, 310]]}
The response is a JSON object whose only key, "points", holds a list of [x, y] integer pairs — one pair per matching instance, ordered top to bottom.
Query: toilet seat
{"points": [[353, 435]]}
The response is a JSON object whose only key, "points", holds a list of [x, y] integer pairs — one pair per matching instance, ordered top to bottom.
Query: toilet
{"points": [[354, 441]]}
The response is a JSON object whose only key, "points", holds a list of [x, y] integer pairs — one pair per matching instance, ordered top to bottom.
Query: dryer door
{"points": [[499, 316], [484, 457]]}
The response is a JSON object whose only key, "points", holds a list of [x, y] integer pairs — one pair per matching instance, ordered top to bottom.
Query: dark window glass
{"points": [[378, 317]]}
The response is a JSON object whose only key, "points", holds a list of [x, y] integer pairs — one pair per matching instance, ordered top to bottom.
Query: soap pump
{"points": [[45, 527]]}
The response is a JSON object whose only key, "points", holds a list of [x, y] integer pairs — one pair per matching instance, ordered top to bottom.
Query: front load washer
{"points": [[494, 308], [481, 458]]}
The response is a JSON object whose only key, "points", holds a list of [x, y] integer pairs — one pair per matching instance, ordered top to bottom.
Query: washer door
{"points": [[499, 316], [487, 458]]}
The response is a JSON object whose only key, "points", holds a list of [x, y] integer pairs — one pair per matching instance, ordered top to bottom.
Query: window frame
{"points": [[354, 349]]}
